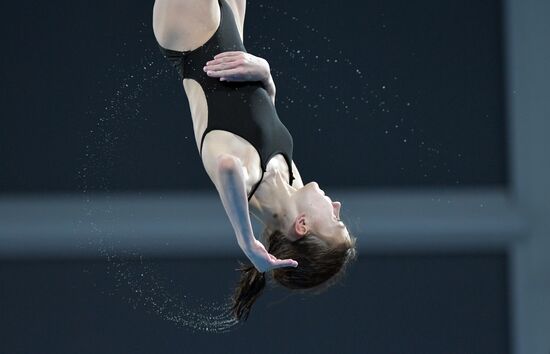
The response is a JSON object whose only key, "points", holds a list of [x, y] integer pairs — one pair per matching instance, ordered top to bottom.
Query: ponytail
{"points": [[320, 266], [250, 287]]}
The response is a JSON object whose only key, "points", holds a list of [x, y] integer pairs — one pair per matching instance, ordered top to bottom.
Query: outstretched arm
{"points": [[231, 187]]}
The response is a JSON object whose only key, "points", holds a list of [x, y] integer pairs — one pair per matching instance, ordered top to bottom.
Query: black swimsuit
{"points": [[242, 108]]}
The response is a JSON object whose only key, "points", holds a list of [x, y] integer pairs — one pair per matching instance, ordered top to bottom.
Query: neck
{"points": [[272, 202]]}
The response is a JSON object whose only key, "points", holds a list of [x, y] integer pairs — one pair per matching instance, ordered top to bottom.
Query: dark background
{"points": [[387, 93], [89, 102], [422, 303]]}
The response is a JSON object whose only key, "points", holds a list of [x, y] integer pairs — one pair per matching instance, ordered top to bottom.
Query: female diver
{"points": [[247, 152]]}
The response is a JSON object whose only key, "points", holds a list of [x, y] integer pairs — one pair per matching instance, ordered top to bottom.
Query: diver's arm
{"points": [[267, 82], [269, 85], [231, 187], [232, 191]]}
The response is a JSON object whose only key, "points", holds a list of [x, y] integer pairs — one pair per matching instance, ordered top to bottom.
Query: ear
{"points": [[300, 226]]}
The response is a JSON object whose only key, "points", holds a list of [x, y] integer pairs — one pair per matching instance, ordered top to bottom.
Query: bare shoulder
{"points": [[221, 143], [212, 152], [215, 162]]}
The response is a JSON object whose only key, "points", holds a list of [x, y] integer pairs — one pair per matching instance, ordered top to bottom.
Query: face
{"points": [[319, 214]]}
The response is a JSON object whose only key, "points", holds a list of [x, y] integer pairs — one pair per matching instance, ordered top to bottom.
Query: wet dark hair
{"points": [[319, 267]]}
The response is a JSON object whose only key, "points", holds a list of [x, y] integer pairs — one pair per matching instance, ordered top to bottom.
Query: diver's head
{"points": [[300, 212], [314, 213], [316, 239]]}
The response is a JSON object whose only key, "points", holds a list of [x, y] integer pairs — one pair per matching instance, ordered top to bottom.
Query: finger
{"points": [[227, 54], [223, 60], [222, 66], [234, 74], [286, 263]]}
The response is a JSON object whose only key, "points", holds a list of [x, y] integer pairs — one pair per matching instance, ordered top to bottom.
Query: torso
{"points": [[185, 25]]}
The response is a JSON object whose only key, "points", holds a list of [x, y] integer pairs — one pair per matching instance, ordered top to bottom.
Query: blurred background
{"points": [[433, 118]]}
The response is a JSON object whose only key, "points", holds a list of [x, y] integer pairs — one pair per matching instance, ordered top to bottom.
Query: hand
{"points": [[238, 66], [263, 261]]}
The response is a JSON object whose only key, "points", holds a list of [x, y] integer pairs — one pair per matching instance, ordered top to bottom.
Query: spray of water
{"points": [[148, 288]]}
